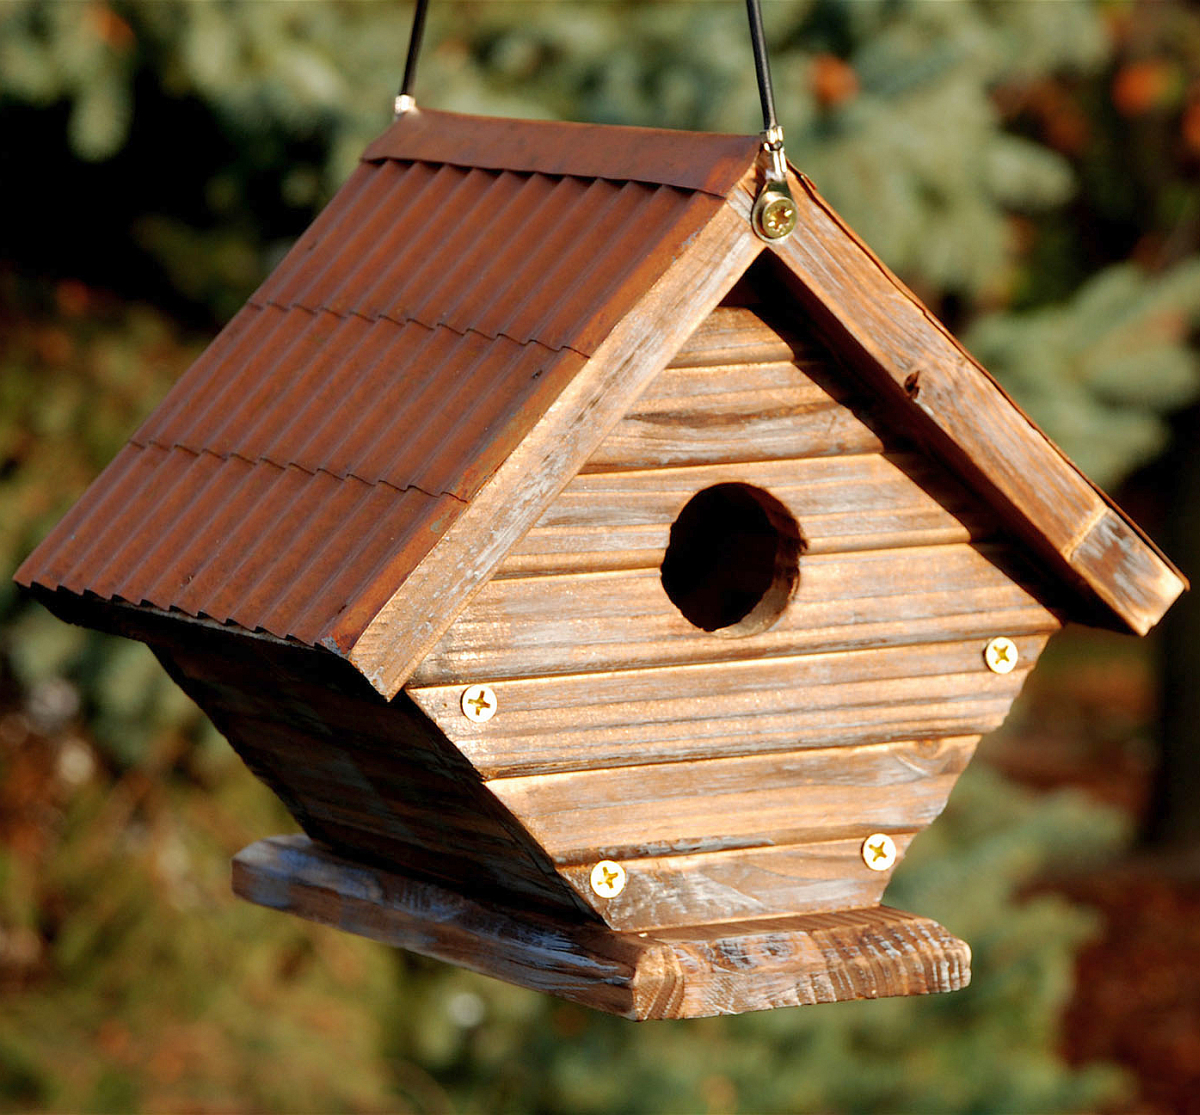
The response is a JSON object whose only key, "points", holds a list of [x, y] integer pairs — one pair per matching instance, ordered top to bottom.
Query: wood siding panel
{"points": [[738, 335], [741, 389], [736, 413], [622, 520], [543, 626], [671, 714], [373, 778], [749, 801], [745, 883]]}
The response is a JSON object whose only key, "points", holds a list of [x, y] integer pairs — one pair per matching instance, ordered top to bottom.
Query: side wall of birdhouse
{"points": [[738, 776], [372, 779]]}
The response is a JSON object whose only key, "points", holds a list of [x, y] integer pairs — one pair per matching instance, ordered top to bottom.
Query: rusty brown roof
{"points": [[338, 425]]}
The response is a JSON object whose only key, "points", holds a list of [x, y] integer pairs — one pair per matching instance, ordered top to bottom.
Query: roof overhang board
{"points": [[695, 161], [635, 351], [966, 418]]}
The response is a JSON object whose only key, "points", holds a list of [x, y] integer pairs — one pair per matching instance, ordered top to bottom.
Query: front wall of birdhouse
{"points": [[736, 774]]}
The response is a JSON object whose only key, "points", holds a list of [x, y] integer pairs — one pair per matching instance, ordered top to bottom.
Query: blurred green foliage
{"points": [[1007, 159], [1102, 371]]}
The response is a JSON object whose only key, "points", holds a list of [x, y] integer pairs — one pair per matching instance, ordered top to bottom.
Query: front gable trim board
{"points": [[694, 161], [966, 417], [431, 597]]}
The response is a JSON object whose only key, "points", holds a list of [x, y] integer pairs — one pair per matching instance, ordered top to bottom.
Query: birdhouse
{"points": [[610, 584]]}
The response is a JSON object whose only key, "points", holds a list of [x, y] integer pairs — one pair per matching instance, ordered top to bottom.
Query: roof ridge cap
{"points": [[701, 162]]}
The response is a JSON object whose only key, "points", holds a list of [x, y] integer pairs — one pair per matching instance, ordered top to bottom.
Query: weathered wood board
{"points": [[933, 385], [748, 801], [671, 973]]}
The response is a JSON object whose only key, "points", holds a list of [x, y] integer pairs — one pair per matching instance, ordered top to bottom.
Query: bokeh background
{"points": [[1030, 167]]}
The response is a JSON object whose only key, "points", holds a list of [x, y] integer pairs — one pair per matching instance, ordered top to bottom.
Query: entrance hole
{"points": [[733, 559]]}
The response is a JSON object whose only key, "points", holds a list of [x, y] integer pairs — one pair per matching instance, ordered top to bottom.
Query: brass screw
{"points": [[778, 218], [1000, 655], [479, 703], [879, 851], [608, 878]]}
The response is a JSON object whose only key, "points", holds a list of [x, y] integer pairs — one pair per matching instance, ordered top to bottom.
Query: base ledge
{"points": [[691, 972]]}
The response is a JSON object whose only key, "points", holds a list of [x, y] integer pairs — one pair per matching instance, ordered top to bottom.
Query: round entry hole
{"points": [[733, 559]]}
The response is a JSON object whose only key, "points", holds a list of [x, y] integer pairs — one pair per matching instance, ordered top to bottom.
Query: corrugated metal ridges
{"points": [[552, 260], [378, 352], [404, 404], [339, 424], [270, 548]]}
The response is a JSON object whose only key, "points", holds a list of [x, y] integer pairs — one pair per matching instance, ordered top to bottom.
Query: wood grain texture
{"points": [[735, 334], [896, 345], [639, 347], [742, 389], [699, 415], [622, 520], [1126, 572], [581, 623], [671, 714], [355, 771], [395, 793], [747, 801], [666, 891], [813, 958], [673, 973]]}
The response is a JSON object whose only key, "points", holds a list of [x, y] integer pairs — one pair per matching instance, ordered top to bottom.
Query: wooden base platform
{"points": [[725, 968]]}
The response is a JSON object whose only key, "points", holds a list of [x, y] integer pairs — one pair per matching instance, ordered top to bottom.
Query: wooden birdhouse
{"points": [[609, 590]]}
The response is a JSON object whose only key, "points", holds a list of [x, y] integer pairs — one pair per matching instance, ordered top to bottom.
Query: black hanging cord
{"points": [[762, 67], [405, 99]]}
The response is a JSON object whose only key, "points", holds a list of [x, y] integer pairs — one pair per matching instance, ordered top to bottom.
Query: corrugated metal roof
{"points": [[524, 256], [404, 404], [338, 425], [229, 539]]}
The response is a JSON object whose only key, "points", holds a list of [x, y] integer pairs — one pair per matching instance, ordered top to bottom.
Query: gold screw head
{"points": [[777, 218], [1000, 655], [479, 703], [879, 851], [608, 878]]}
